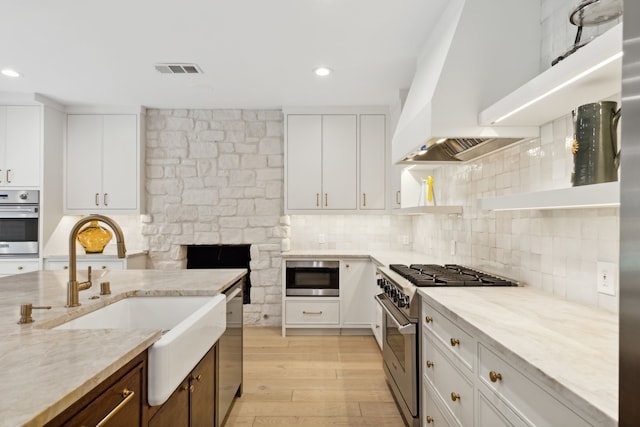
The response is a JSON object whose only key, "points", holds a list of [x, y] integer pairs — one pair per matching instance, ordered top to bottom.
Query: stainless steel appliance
{"points": [[19, 216], [312, 278], [401, 326], [230, 354], [629, 375]]}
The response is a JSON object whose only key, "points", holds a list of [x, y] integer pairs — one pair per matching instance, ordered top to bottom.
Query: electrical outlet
{"points": [[321, 238], [405, 240], [607, 278]]}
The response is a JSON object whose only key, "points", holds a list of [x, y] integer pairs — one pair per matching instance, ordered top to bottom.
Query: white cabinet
{"points": [[20, 146], [321, 161], [372, 161], [103, 164], [11, 267], [356, 292], [353, 309], [467, 382]]}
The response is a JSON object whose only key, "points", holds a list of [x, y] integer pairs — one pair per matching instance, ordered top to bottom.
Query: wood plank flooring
{"points": [[312, 381]]}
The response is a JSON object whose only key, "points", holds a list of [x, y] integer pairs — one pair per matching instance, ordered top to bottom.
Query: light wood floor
{"points": [[312, 381]]}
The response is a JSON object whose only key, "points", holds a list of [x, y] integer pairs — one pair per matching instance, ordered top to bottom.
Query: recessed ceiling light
{"points": [[322, 71], [10, 73]]}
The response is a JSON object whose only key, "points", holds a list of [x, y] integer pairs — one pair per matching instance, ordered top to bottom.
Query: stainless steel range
{"points": [[401, 313]]}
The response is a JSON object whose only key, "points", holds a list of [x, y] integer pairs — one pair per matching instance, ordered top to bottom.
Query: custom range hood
{"points": [[478, 52]]}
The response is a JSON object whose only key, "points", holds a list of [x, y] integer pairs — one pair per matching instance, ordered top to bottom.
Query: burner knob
{"points": [[403, 301]]}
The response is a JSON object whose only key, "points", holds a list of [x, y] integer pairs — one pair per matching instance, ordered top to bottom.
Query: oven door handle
{"points": [[406, 329]]}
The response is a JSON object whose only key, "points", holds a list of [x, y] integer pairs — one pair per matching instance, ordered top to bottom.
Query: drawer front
{"points": [[83, 265], [17, 267], [312, 312], [461, 344], [453, 387], [525, 397], [432, 416], [490, 416]]}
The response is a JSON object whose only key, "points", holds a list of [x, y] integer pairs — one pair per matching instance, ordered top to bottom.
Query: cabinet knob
{"points": [[346, 265], [20, 267], [66, 267], [428, 319], [454, 342], [429, 364], [495, 376], [197, 378], [188, 388], [455, 396], [429, 419]]}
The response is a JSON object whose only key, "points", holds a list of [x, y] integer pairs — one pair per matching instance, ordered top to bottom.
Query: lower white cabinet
{"points": [[11, 267], [353, 309], [312, 312], [468, 383]]}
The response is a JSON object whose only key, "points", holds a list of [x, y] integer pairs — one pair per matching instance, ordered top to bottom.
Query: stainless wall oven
{"points": [[19, 216], [312, 278]]}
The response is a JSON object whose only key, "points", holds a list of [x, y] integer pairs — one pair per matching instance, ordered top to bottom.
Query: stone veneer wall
{"points": [[216, 177]]}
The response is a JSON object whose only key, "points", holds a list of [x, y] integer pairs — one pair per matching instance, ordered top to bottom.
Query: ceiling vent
{"points": [[178, 69]]}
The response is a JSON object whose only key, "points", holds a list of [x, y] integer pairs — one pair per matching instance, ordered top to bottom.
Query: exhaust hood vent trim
{"points": [[173, 68], [459, 149]]}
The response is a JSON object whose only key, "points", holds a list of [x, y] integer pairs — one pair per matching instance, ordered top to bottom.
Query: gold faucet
{"points": [[73, 287]]}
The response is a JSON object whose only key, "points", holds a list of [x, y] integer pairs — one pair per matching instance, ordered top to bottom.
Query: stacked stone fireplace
{"points": [[215, 177]]}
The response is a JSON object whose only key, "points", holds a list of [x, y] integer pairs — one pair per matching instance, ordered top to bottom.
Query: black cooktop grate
{"points": [[447, 275]]}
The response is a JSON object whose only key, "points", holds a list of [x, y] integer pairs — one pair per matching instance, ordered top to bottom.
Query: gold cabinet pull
{"points": [[0, 178], [8, 178], [398, 197], [97, 199], [326, 199], [317, 200], [364, 200], [105, 201], [20, 267], [311, 312], [428, 319], [377, 326], [455, 342], [429, 364], [495, 376], [197, 378], [188, 388], [127, 396], [455, 396], [429, 419]]}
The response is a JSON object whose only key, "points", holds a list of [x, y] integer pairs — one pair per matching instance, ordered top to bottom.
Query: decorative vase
{"points": [[94, 238]]}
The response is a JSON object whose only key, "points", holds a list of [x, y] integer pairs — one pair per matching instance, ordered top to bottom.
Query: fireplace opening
{"points": [[222, 256]]}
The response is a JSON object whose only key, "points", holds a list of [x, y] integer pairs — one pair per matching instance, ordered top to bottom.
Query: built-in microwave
{"points": [[19, 216], [312, 278]]}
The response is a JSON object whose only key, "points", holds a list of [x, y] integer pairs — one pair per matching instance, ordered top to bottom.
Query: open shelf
{"points": [[591, 74], [585, 196], [417, 210]]}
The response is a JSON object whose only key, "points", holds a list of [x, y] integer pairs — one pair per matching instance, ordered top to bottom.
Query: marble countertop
{"points": [[572, 348], [45, 370]]}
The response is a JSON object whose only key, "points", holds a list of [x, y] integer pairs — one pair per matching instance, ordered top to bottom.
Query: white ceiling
{"points": [[254, 53]]}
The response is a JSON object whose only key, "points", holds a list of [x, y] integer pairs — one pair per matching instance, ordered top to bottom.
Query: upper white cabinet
{"points": [[589, 75], [20, 146], [321, 161], [372, 161], [335, 162], [103, 163]]}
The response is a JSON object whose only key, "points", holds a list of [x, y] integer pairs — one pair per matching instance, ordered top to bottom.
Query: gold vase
{"points": [[94, 238]]}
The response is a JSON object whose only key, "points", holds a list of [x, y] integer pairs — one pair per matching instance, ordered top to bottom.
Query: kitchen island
{"points": [[45, 370]]}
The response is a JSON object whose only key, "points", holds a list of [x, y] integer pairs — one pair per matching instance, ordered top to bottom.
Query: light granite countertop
{"points": [[571, 348], [45, 370]]}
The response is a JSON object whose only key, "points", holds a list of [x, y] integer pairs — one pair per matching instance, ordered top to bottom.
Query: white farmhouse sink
{"points": [[190, 325]]}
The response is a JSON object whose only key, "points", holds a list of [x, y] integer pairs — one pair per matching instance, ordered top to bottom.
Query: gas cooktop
{"points": [[447, 275]]}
